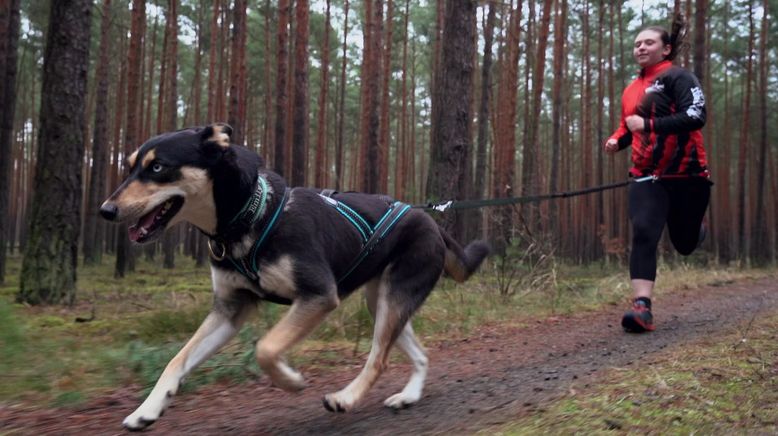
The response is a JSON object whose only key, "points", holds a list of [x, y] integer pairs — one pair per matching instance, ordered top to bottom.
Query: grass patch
{"points": [[141, 321], [722, 385]]}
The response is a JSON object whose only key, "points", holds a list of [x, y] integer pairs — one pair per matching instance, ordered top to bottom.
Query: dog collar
{"points": [[254, 206], [247, 265]]}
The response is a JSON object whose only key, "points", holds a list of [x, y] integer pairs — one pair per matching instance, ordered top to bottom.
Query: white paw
{"points": [[289, 380], [290, 384], [401, 400], [339, 402], [148, 412], [139, 420]]}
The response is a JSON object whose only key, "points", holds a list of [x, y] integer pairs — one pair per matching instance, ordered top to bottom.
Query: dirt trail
{"points": [[493, 376]]}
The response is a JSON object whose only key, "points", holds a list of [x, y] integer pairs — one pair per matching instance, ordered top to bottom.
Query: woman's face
{"points": [[648, 49]]}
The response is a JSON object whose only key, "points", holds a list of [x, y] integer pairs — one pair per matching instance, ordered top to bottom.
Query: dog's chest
{"points": [[275, 280]]}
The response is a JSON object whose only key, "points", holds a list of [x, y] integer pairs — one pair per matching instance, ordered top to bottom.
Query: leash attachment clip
{"points": [[217, 257]]}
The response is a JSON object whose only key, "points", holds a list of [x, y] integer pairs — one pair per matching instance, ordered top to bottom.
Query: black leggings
{"points": [[681, 203]]}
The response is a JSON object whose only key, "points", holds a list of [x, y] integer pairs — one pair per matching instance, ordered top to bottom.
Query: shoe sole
{"points": [[633, 325]]}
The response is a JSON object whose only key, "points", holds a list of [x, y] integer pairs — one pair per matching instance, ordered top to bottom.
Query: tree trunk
{"points": [[701, 11], [10, 18], [213, 50], [237, 99], [300, 102], [342, 102], [556, 110], [505, 126], [383, 142], [279, 156], [531, 157], [401, 159], [369, 160], [322, 170], [449, 171], [479, 181], [742, 231], [93, 235], [170, 240], [123, 251], [761, 251], [50, 258]]}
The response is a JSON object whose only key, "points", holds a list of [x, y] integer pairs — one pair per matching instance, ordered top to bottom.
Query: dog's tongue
{"points": [[144, 224]]}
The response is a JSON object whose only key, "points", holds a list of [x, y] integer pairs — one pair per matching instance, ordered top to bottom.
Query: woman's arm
{"points": [[689, 107]]}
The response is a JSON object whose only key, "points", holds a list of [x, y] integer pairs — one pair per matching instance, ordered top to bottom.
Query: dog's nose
{"points": [[109, 211]]}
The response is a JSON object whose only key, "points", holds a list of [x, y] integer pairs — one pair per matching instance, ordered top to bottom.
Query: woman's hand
{"points": [[635, 123], [611, 146]]}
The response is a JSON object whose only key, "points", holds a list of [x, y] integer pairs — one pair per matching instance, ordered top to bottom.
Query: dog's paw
{"points": [[289, 380], [401, 400], [338, 402], [148, 413], [137, 421]]}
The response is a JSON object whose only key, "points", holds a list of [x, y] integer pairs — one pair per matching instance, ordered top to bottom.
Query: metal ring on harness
{"points": [[213, 254]]}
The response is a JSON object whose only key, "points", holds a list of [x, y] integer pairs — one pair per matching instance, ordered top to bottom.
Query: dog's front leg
{"points": [[302, 317], [219, 326]]}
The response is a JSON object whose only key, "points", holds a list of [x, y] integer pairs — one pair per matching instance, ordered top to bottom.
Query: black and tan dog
{"points": [[290, 246]]}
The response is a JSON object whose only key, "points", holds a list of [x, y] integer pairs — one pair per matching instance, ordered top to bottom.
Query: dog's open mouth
{"points": [[151, 224]]}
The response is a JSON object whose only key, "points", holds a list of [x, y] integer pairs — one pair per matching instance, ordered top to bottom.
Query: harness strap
{"points": [[371, 235], [247, 265]]}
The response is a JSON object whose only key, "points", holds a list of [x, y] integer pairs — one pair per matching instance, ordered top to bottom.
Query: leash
{"points": [[473, 204]]}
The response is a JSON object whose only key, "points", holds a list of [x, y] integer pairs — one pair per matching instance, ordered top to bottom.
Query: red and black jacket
{"points": [[670, 100]]}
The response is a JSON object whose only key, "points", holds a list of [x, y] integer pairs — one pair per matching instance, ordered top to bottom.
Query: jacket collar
{"points": [[652, 71]]}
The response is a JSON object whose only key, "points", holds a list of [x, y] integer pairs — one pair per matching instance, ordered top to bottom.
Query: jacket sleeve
{"points": [[689, 107], [622, 133]]}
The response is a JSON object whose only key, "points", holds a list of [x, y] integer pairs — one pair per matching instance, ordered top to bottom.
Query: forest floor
{"points": [[711, 366]]}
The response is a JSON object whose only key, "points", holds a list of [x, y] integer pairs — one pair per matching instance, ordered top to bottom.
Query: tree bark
{"points": [[10, 18], [237, 99], [300, 99], [341, 103], [556, 109], [383, 143], [279, 156], [531, 156], [370, 157], [401, 158], [322, 170], [449, 171], [479, 181], [742, 230], [171, 237], [93, 240], [762, 250], [124, 254], [50, 258]]}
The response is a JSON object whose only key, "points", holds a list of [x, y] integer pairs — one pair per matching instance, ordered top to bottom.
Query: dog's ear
{"points": [[218, 134], [215, 141]]}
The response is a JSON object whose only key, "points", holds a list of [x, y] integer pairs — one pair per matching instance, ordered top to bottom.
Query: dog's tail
{"points": [[462, 263]]}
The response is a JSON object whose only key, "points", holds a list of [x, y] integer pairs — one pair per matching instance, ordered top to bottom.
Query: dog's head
{"points": [[171, 179]]}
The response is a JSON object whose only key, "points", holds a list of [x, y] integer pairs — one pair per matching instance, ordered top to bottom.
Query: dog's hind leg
{"points": [[304, 315], [224, 321], [387, 322], [408, 344], [411, 393]]}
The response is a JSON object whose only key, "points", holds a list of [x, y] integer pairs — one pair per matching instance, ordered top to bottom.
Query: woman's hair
{"points": [[676, 38]]}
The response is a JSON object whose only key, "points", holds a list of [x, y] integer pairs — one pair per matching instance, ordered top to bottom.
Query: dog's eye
{"points": [[157, 167]]}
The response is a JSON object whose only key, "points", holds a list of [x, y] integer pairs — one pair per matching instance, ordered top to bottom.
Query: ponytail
{"points": [[676, 38]]}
